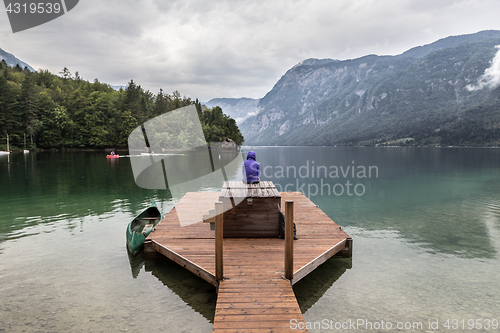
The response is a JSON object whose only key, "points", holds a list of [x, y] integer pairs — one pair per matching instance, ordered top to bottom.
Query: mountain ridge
{"points": [[12, 61], [377, 99]]}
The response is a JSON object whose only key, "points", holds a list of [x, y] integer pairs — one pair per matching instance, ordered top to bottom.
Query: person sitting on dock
{"points": [[251, 169]]}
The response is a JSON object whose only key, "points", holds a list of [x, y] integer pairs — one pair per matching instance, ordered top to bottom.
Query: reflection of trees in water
{"points": [[50, 187], [311, 288], [195, 292]]}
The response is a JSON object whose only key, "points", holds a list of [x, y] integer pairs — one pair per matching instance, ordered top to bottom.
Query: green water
{"points": [[425, 224]]}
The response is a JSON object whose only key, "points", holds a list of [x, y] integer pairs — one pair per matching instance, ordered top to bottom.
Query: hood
{"points": [[251, 155]]}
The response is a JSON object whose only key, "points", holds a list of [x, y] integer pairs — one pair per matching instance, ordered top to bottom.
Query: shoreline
{"points": [[126, 150]]}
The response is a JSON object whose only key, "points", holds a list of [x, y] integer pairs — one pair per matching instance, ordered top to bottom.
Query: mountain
{"points": [[12, 61], [117, 88], [427, 95], [237, 108]]}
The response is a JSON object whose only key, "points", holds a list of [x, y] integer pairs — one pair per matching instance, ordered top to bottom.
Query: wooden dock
{"points": [[253, 295]]}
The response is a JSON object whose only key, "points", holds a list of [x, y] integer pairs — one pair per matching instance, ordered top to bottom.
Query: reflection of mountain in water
{"points": [[444, 200], [457, 215], [311, 288], [195, 292]]}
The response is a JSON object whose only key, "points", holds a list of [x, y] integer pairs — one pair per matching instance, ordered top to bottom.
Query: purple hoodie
{"points": [[251, 169]]}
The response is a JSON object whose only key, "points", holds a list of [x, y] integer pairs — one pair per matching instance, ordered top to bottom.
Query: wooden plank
{"points": [[243, 190], [209, 218], [289, 240], [313, 264], [189, 265], [219, 272], [251, 309], [227, 311], [253, 317], [260, 324]]}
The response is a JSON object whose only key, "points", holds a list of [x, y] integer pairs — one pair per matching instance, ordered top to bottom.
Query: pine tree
{"points": [[134, 102], [161, 103], [28, 111]]}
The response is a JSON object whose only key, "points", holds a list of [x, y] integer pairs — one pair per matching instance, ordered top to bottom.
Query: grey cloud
{"points": [[231, 48], [491, 76]]}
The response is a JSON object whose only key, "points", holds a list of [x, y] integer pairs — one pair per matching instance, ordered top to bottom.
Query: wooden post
{"points": [[289, 240], [219, 266]]}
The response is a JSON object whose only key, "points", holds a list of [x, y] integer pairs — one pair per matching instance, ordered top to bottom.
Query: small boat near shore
{"points": [[112, 156], [141, 226]]}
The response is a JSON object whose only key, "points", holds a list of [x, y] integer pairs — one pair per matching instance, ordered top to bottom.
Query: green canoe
{"points": [[141, 226]]}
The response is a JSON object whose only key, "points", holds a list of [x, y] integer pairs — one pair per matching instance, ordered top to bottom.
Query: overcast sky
{"points": [[235, 48]]}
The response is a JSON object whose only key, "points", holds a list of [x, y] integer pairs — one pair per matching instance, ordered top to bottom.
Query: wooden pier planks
{"points": [[251, 265], [256, 305]]}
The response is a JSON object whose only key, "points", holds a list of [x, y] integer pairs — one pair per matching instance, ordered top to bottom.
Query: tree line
{"points": [[44, 110]]}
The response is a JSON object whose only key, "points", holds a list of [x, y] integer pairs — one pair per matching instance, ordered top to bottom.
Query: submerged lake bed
{"points": [[425, 224]]}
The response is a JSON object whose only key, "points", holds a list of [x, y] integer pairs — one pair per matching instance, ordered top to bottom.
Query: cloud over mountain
{"points": [[491, 76]]}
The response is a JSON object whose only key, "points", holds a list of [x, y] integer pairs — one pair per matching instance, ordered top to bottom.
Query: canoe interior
{"points": [[146, 221]]}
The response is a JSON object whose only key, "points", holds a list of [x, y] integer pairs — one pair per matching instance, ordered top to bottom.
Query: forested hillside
{"points": [[65, 111]]}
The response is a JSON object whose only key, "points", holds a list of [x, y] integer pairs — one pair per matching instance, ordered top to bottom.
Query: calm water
{"points": [[425, 223]]}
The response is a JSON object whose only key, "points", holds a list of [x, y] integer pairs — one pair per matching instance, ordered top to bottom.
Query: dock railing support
{"points": [[289, 240], [219, 270]]}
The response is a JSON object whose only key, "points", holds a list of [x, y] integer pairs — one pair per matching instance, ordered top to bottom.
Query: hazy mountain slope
{"points": [[12, 61], [237, 108]]}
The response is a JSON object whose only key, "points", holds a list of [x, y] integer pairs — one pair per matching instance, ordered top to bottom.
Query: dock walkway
{"points": [[253, 296]]}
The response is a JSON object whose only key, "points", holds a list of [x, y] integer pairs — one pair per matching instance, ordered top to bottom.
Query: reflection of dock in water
{"points": [[310, 289], [196, 293], [253, 294]]}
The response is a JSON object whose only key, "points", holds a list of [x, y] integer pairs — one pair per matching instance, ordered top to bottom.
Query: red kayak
{"points": [[112, 156]]}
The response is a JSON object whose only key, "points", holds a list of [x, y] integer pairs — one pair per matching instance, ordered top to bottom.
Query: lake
{"points": [[425, 224]]}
